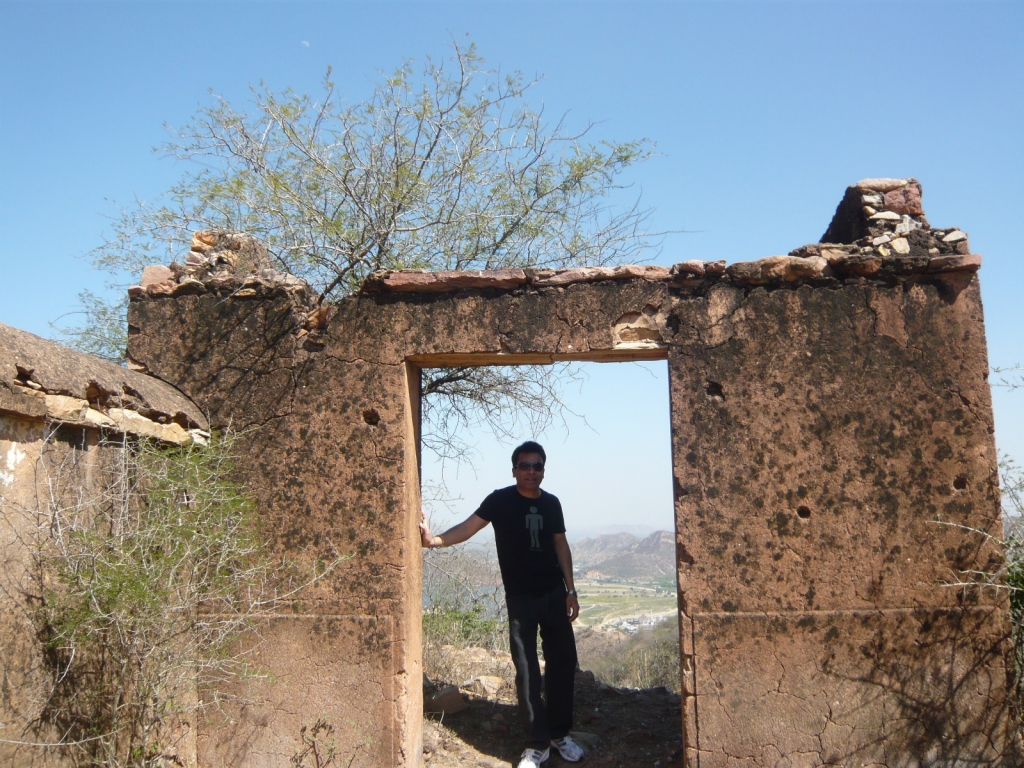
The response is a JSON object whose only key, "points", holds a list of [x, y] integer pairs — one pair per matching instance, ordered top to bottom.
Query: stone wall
{"points": [[56, 406], [832, 450]]}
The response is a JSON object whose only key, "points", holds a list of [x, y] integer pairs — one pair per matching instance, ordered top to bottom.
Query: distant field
{"points": [[605, 603]]}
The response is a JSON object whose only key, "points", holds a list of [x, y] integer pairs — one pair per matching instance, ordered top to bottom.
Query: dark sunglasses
{"points": [[536, 466]]}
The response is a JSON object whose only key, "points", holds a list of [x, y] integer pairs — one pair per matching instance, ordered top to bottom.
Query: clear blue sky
{"points": [[763, 112]]}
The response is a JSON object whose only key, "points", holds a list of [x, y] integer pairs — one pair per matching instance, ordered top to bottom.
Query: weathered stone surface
{"points": [[881, 185], [905, 200], [874, 207], [885, 216], [955, 236], [204, 241], [900, 245], [968, 263], [698, 268], [777, 268], [641, 272], [155, 274], [423, 281], [443, 282], [189, 286], [164, 288], [57, 370], [17, 401], [65, 408], [94, 418], [130, 421], [823, 421], [812, 458], [822, 673], [485, 685], [447, 700]]}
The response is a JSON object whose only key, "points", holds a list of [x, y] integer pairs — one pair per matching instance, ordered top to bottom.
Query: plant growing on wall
{"points": [[447, 168], [148, 566]]}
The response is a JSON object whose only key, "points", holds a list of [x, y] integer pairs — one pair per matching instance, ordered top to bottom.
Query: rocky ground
{"points": [[616, 727]]}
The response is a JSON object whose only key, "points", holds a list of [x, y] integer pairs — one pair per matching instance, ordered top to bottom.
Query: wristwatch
{"points": [[571, 592]]}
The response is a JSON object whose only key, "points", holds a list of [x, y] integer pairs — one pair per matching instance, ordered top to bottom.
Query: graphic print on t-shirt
{"points": [[535, 523], [524, 535]]}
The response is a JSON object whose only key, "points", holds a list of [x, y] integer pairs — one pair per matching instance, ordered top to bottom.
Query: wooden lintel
{"points": [[464, 359]]}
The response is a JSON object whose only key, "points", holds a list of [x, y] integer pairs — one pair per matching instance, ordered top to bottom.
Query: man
{"points": [[536, 570]]}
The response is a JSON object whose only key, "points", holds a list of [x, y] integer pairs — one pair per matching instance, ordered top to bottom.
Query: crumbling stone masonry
{"points": [[56, 405], [832, 459]]}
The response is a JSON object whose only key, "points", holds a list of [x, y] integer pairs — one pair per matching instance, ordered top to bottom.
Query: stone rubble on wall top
{"points": [[881, 185], [879, 231], [888, 257], [225, 263], [420, 280]]}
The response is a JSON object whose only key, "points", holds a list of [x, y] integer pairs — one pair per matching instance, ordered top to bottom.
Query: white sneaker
{"points": [[568, 749], [532, 758]]}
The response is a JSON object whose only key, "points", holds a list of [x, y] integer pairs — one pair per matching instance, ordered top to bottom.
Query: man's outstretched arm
{"points": [[454, 535]]}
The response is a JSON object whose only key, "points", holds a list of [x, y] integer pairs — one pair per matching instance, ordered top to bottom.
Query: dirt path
{"points": [[618, 727]]}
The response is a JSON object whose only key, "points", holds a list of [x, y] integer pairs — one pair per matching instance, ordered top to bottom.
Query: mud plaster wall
{"points": [[61, 415], [820, 431], [39, 460], [23, 684]]}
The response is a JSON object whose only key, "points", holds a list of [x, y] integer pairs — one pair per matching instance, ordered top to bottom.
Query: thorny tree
{"points": [[446, 169]]}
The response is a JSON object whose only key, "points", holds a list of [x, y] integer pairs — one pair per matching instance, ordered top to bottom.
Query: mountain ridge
{"points": [[624, 556]]}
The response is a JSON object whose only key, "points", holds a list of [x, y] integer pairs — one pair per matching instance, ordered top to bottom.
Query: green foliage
{"points": [[444, 168], [102, 330], [1011, 479], [172, 535], [150, 567], [463, 612], [463, 627], [648, 659]]}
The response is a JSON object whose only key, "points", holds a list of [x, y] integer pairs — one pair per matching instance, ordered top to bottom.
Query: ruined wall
{"points": [[56, 405], [832, 443]]}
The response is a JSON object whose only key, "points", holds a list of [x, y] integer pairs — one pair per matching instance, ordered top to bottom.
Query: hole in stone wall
{"points": [[24, 374], [715, 390], [371, 417], [613, 474], [960, 483], [804, 512]]}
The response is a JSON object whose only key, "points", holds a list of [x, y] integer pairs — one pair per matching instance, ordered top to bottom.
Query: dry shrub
{"points": [[147, 566], [465, 626], [648, 659]]}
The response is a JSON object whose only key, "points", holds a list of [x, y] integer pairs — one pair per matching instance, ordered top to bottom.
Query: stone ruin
{"points": [[834, 473]]}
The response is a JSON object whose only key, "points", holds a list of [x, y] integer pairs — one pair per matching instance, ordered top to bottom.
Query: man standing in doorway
{"points": [[536, 570]]}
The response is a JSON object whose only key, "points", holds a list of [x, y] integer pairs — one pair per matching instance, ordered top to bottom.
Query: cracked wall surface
{"points": [[832, 457]]}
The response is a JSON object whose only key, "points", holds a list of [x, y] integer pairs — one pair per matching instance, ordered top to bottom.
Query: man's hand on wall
{"points": [[426, 537], [572, 607]]}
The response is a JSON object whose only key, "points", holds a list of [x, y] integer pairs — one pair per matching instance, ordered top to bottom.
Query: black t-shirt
{"points": [[524, 534]]}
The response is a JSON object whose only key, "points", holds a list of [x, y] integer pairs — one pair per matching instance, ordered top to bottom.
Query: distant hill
{"points": [[576, 533], [624, 556]]}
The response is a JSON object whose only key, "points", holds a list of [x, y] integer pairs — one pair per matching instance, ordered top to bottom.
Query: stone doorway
{"points": [[829, 408], [611, 467]]}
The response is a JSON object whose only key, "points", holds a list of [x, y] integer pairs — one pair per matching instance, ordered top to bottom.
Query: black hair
{"points": [[528, 447]]}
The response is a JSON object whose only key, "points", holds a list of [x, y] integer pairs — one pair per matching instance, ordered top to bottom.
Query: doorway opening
{"points": [[609, 461]]}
